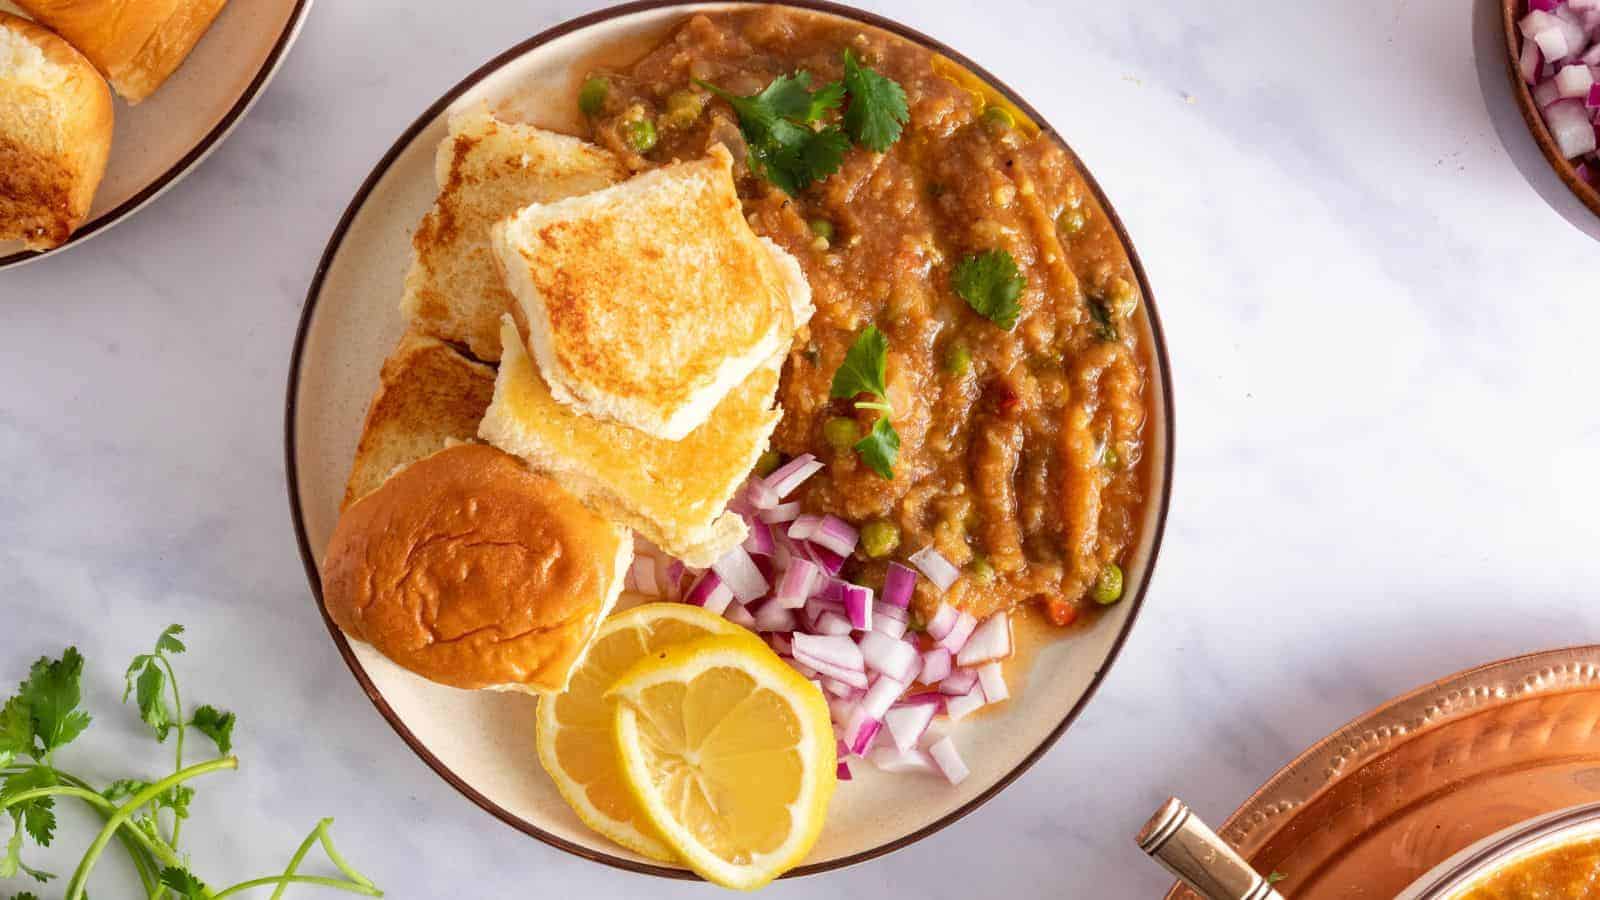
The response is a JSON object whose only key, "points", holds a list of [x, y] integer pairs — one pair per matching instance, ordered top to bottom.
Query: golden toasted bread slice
{"points": [[55, 134], [487, 169], [648, 302], [428, 395], [675, 493]]}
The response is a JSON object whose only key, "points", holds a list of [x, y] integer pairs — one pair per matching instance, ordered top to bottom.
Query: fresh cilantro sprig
{"points": [[878, 109], [788, 129], [991, 285], [865, 371], [44, 715]]}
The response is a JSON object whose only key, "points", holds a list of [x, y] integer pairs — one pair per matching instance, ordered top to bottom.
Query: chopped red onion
{"points": [[1543, 5], [1529, 63], [1574, 80], [1593, 100], [1570, 126], [792, 474], [761, 495], [783, 512], [803, 527], [835, 534], [759, 540], [830, 561], [936, 567], [675, 570], [739, 572], [643, 575], [799, 582], [899, 582], [710, 592], [858, 606], [739, 615], [774, 616], [944, 619], [832, 623], [887, 625], [957, 638], [991, 640], [834, 650], [894, 658], [936, 666], [803, 669], [992, 679], [958, 682], [839, 689], [881, 695], [963, 705], [907, 722], [860, 730], [948, 760], [896, 761], [842, 771]]}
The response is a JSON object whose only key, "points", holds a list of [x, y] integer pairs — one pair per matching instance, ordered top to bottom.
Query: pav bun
{"points": [[472, 571]]}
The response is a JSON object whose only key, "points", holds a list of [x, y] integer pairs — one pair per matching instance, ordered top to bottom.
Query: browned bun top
{"points": [[472, 571]]}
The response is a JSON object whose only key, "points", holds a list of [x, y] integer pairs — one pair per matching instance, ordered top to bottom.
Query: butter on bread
{"points": [[137, 44], [55, 134], [487, 169], [648, 302], [428, 395], [674, 493], [468, 569]]}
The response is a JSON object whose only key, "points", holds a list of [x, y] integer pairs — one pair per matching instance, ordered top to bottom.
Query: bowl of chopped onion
{"points": [[1553, 53]]}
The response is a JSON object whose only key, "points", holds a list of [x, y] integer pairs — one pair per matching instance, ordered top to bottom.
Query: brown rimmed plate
{"points": [[162, 139], [482, 743], [1374, 806]]}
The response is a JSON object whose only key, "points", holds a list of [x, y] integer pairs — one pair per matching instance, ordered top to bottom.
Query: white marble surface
{"points": [[1384, 354]]}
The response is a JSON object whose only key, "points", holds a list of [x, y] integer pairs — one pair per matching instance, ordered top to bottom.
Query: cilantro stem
{"points": [[880, 407], [177, 765], [127, 836], [132, 838], [80, 876], [362, 889]]}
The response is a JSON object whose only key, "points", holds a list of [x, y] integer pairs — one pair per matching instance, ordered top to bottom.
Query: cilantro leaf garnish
{"points": [[877, 110], [786, 127], [991, 285], [865, 367], [865, 371], [880, 448], [168, 641], [51, 694], [217, 725], [16, 731]]}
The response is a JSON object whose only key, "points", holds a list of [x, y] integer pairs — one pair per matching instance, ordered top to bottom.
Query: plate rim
{"points": [[195, 155], [380, 169]]}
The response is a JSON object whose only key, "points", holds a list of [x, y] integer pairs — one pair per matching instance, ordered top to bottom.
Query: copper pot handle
{"points": [[1186, 847]]}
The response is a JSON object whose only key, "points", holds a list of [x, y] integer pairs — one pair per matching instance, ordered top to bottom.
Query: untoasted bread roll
{"points": [[136, 43], [55, 134], [487, 169], [647, 302], [428, 395], [674, 493], [472, 571]]}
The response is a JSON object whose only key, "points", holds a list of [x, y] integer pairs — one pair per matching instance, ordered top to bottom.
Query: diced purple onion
{"points": [[1529, 61], [1570, 126], [792, 474], [761, 495], [783, 512], [803, 527], [835, 534], [759, 540], [830, 561], [938, 569], [739, 572], [643, 574], [799, 582], [899, 582], [710, 592], [858, 606], [774, 616], [943, 621], [832, 623], [887, 625], [958, 636], [990, 640], [837, 651], [896, 659], [936, 666], [803, 669], [992, 678], [958, 682], [839, 689], [881, 695], [963, 705], [907, 722], [860, 730], [948, 760], [895, 761], [842, 771]]}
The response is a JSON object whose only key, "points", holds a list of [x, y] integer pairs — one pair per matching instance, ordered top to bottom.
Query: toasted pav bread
{"points": [[136, 43], [55, 134], [487, 169], [648, 302], [428, 395], [674, 493], [470, 570]]}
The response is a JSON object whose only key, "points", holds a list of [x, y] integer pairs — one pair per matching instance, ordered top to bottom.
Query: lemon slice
{"points": [[576, 740], [731, 755]]}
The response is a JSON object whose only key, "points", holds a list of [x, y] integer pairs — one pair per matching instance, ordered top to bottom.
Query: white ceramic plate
{"points": [[159, 141], [482, 743]]}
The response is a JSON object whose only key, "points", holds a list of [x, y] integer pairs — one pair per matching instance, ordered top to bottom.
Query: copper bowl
{"points": [[1550, 173], [1462, 871]]}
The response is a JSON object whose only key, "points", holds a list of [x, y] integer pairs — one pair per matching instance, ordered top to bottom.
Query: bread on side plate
{"points": [[137, 44], [55, 134], [486, 170], [648, 302], [428, 395], [673, 493], [472, 571]]}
